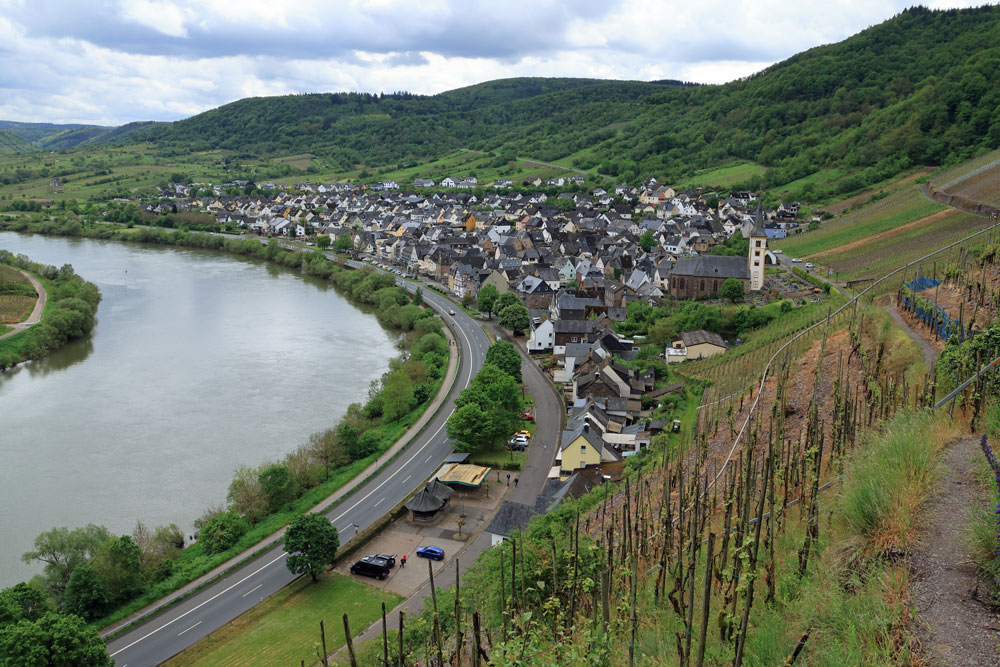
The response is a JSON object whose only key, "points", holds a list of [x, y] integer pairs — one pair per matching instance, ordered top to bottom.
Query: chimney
{"points": [[586, 427]]}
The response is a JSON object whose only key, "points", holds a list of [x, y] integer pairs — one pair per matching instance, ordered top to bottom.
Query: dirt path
{"points": [[881, 235], [36, 313], [926, 348], [955, 628]]}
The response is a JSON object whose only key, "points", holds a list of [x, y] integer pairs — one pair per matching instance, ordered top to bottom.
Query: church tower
{"points": [[758, 249]]}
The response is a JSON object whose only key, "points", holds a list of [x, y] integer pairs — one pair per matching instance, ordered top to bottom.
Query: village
{"points": [[575, 260]]}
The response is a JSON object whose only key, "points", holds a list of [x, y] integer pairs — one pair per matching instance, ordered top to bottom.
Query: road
{"points": [[175, 629]]}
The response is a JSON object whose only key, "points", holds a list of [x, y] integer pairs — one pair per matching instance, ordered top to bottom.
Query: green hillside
{"points": [[920, 88], [11, 144]]}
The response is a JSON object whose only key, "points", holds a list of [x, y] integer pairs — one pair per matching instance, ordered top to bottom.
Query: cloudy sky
{"points": [[114, 61]]}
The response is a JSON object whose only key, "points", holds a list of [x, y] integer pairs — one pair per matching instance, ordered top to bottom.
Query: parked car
{"points": [[796, 259], [809, 265], [525, 416], [675, 426], [526, 434], [434, 553], [388, 558], [371, 566]]}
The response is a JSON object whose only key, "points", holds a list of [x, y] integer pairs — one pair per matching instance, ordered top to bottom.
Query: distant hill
{"points": [[920, 88], [28, 137]]}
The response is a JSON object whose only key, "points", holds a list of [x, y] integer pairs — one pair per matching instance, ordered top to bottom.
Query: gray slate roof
{"points": [[712, 266]]}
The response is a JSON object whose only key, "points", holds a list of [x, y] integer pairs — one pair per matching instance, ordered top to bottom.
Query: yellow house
{"points": [[470, 223], [699, 344], [581, 447]]}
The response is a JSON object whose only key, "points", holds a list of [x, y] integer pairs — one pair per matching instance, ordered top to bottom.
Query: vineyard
{"points": [[17, 296]]}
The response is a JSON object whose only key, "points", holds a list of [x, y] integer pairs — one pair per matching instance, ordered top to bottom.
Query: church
{"points": [[702, 276]]}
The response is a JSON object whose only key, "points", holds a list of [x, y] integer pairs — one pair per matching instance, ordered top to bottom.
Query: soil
{"points": [[930, 346], [954, 627]]}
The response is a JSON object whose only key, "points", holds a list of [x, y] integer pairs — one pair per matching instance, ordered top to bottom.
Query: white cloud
{"points": [[114, 61]]}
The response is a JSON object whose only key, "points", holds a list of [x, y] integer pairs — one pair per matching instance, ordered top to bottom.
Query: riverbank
{"points": [[69, 315], [35, 316]]}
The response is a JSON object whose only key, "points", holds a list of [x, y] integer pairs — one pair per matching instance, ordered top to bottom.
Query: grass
{"points": [[727, 176], [906, 206], [284, 629]]}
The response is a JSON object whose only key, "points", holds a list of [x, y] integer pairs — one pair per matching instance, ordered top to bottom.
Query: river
{"points": [[199, 363]]}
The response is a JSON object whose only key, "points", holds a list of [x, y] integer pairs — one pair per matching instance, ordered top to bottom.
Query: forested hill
{"points": [[920, 88], [17, 137]]}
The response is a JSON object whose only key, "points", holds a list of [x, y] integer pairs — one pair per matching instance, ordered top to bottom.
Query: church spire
{"points": [[757, 229]]}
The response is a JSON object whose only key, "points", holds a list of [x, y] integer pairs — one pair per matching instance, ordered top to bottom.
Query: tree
{"points": [[647, 240], [323, 242], [343, 243], [732, 289], [488, 296], [418, 297], [504, 300], [515, 317], [503, 355], [500, 388], [396, 396], [467, 427], [278, 485], [246, 494], [222, 531], [311, 543], [62, 550], [118, 563], [87, 594], [23, 602], [54, 639]]}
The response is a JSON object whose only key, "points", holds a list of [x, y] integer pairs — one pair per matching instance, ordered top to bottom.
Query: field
{"points": [[724, 177], [979, 185], [905, 206], [14, 307], [284, 629]]}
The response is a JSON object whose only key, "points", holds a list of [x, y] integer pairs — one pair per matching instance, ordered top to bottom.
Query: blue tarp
{"points": [[933, 316]]}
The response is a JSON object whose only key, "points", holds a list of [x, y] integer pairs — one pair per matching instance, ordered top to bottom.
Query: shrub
{"points": [[222, 532]]}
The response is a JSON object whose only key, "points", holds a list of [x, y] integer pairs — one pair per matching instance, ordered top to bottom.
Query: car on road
{"points": [[777, 252], [796, 260], [809, 265], [451, 312], [432, 552], [371, 566]]}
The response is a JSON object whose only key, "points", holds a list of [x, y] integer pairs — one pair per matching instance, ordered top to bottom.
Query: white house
{"points": [[543, 337]]}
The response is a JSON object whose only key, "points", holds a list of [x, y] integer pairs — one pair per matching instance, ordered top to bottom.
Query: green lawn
{"points": [[284, 629]]}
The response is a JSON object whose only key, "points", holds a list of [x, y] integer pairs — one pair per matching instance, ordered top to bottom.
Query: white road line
{"points": [[428, 458], [407, 477], [379, 502], [349, 509], [252, 590], [191, 628], [150, 634]]}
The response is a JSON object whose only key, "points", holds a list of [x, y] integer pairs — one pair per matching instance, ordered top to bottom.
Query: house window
{"points": [[758, 243], [756, 263], [702, 286], [573, 339], [583, 449]]}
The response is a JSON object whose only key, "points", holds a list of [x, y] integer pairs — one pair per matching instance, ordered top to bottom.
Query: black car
{"points": [[388, 558], [371, 566]]}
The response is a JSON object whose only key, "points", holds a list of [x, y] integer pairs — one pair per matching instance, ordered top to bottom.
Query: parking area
{"points": [[404, 537]]}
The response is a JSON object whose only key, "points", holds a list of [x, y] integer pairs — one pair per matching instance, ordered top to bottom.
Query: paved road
{"points": [[36, 313], [184, 624]]}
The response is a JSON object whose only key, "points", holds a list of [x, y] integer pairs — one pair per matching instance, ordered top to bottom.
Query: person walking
{"points": [[508, 479], [515, 481], [402, 562]]}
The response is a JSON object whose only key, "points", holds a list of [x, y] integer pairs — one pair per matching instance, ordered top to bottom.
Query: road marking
{"points": [[430, 440], [428, 458], [407, 477], [379, 502], [252, 590], [191, 628], [150, 634]]}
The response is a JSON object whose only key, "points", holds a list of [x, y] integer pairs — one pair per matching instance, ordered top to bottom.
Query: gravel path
{"points": [[930, 354], [954, 627]]}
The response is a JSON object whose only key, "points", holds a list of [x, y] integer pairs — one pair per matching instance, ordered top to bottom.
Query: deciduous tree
{"points": [[487, 299], [514, 317], [503, 355], [311, 543], [62, 550], [54, 639]]}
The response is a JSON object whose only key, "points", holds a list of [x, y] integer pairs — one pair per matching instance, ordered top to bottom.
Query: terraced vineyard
{"points": [[900, 208], [17, 296]]}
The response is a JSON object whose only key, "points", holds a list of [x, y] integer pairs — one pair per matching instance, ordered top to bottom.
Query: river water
{"points": [[199, 363]]}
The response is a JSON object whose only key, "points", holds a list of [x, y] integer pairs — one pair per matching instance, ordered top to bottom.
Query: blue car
{"points": [[434, 553]]}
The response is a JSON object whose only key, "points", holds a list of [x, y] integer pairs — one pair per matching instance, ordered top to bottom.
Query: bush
{"points": [[222, 531]]}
